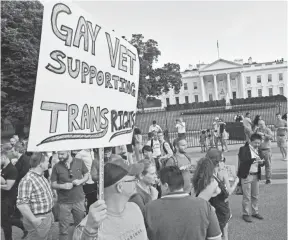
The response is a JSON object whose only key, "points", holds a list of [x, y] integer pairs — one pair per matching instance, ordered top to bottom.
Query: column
{"points": [[242, 80], [215, 86], [202, 89], [229, 90]]}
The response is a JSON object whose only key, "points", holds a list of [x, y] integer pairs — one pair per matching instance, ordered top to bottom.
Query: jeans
{"points": [[268, 162], [250, 187], [65, 210], [6, 212], [41, 232]]}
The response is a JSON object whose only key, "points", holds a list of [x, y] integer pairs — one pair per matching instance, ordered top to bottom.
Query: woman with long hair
{"points": [[256, 121], [145, 192]]}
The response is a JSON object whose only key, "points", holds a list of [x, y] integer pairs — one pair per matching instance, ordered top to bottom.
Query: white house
{"points": [[214, 81]]}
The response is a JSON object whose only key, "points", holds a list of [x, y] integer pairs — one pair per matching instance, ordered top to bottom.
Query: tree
{"points": [[21, 24], [154, 82]]}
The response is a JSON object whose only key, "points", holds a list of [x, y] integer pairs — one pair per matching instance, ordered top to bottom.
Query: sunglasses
{"points": [[70, 173]]}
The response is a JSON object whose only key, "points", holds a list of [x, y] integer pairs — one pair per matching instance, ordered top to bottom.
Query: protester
{"points": [[238, 117], [255, 122], [247, 123], [155, 127], [181, 128], [281, 128], [216, 130], [223, 135], [209, 138], [13, 141], [203, 141], [154, 143], [138, 144], [265, 148], [166, 149], [148, 153], [108, 155], [184, 162], [249, 172], [68, 176], [90, 187], [145, 192], [8, 193], [35, 200], [220, 202], [177, 215], [119, 219]]}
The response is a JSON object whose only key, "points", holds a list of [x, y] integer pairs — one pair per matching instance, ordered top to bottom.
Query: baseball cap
{"points": [[118, 169]]}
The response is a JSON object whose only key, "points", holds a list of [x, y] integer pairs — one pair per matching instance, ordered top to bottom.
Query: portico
{"points": [[216, 84]]}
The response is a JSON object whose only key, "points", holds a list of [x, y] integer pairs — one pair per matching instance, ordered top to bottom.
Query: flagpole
{"points": [[218, 49]]}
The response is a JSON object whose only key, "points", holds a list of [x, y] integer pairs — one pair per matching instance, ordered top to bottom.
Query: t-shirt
{"points": [[280, 123], [181, 127], [156, 128], [156, 146], [86, 156], [187, 166], [9, 173], [61, 175], [180, 216], [127, 225]]}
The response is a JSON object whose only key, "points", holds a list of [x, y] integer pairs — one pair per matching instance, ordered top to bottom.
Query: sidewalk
{"points": [[279, 167]]}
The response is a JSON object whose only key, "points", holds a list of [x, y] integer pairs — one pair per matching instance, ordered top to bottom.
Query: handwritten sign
{"points": [[87, 83], [231, 171]]}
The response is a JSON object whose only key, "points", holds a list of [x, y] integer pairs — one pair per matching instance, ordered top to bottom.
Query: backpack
{"points": [[163, 145]]}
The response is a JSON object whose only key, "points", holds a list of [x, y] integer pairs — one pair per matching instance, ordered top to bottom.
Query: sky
{"points": [[187, 32]]}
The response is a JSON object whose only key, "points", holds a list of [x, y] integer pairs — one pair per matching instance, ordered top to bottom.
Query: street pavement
{"points": [[272, 204]]}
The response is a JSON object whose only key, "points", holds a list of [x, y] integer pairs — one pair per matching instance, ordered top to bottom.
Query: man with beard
{"points": [[185, 164], [67, 177], [115, 217]]}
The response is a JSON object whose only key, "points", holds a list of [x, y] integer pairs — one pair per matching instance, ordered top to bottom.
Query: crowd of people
{"points": [[152, 190]]}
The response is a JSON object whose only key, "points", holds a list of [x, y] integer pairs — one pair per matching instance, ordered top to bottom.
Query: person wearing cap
{"points": [[68, 176], [35, 199], [176, 215], [115, 217]]}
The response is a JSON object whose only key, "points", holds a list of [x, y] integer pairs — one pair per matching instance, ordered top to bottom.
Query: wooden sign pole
{"points": [[101, 177]]}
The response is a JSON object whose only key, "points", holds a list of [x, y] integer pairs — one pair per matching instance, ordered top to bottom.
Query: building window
{"points": [[280, 76], [269, 77], [259, 79], [248, 80], [233, 82], [221, 83], [209, 84], [195, 85], [185, 86], [281, 90], [270, 91], [259, 92], [249, 93], [234, 95], [210, 97], [196, 98], [186, 99], [177, 100], [167, 101]]}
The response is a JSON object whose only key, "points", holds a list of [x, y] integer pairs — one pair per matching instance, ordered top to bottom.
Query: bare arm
{"points": [[269, 134], [8, 185], [229, 188], [26, 212]]}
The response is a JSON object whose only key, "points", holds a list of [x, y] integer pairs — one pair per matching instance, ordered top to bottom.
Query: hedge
{"points": [[222, 102]]}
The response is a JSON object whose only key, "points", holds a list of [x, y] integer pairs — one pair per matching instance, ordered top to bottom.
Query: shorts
{"points": [[282, 141]]}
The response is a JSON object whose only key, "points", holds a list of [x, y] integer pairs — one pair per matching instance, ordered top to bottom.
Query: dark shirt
{"points": [[23, 166], [9, 173], [61, 175], [141, 198]]}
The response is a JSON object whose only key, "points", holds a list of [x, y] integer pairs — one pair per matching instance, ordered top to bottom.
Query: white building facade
{"points": [[237, 80]]}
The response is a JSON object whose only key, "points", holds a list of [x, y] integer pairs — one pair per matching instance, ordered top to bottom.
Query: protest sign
{"points": [[87, 83], [231, 171]]}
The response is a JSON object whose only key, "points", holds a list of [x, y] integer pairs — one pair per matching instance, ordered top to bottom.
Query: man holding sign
{"points": [[120, 219]]}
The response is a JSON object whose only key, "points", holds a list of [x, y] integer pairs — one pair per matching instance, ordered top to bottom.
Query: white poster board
{"points": [[87, 83]]}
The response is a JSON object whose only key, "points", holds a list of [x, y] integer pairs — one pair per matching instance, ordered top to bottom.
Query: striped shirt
{"points": [[34, 190]]}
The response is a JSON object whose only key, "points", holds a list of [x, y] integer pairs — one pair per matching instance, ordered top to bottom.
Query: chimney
{"points": [[250, 60]]}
